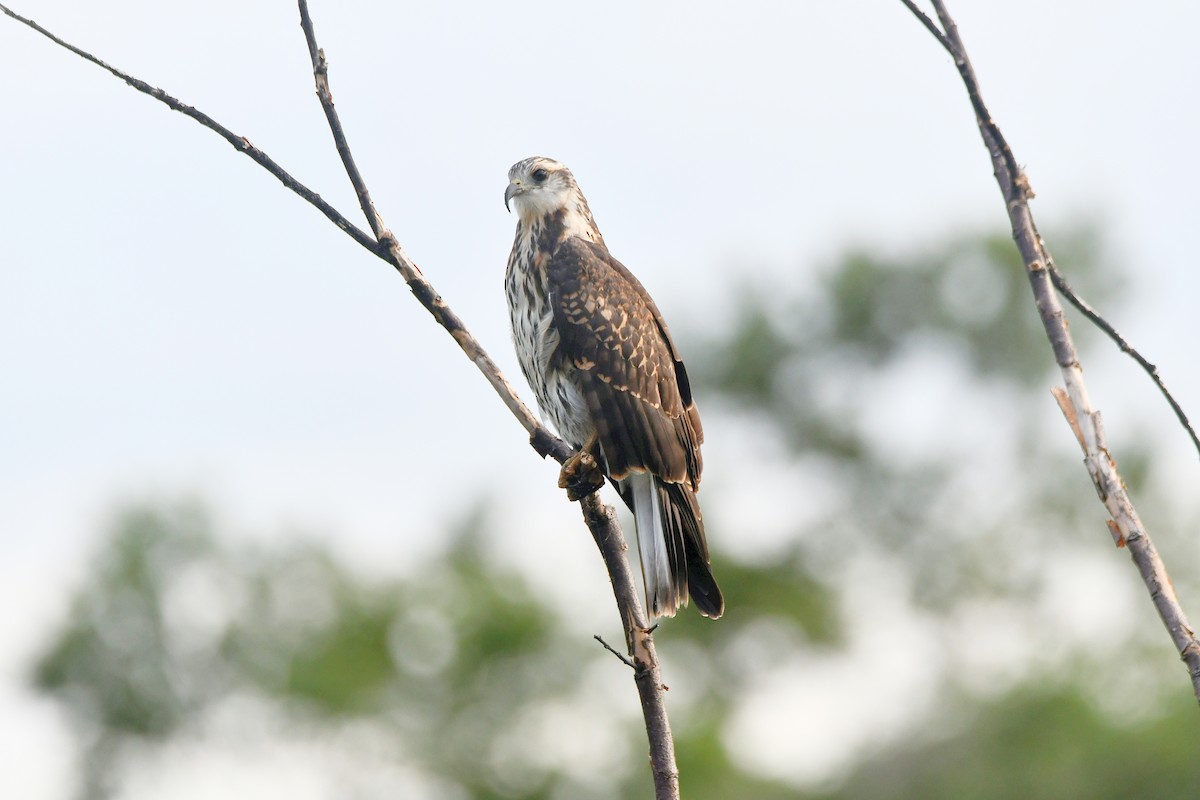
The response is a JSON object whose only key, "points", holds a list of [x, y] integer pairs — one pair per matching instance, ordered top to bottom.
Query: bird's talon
{"points": [[580, 476]]}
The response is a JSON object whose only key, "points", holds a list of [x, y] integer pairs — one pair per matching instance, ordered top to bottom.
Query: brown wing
{"points": [[634, 382]]}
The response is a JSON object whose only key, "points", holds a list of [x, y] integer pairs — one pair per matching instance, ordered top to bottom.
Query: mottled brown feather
{"points": [[602, 363], [631, 374]]}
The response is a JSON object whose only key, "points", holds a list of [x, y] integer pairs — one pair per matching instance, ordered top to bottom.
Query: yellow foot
{"points": [[581, 474]]}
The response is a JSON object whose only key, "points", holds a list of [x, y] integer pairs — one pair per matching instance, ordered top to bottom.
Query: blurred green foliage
{"points": [[118, 620], [461, 672], [1041, 743]]}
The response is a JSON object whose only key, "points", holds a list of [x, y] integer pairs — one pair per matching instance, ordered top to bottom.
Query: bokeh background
{"points": [[266, 533]]}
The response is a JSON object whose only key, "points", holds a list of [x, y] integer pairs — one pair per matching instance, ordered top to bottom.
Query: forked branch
{"points": [[1085, 308], [1085, 420], [600, 519]]}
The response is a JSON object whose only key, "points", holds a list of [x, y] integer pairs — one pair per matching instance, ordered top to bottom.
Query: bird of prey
{"points": [[607, 375]]}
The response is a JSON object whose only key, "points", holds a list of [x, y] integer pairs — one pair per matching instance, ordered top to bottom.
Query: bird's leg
{"points": [[581, 474]]}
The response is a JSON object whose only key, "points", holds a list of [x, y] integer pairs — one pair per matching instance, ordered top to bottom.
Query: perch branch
{"points": [[1015, 188], [600, 519], [602, 522]]}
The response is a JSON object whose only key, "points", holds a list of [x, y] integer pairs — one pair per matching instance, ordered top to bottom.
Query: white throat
{"points": [[576, 220]]}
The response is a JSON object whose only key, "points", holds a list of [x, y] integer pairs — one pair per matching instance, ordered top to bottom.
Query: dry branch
{"points": [[1125, 347], [1085, 420], [600, 519]]}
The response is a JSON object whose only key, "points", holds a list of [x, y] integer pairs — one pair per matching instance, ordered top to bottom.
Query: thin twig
{"points": [[929, 24], [947, 39], [321, 75], [240, 143], [1015, 188], [1064, 288], [626, 660]]}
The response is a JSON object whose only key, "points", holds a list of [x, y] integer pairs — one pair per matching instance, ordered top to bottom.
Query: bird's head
{"points": [[538, 186], [541, 188]]}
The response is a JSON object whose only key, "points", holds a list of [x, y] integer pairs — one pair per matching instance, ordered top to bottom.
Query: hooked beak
{"points": [[512, 191]]}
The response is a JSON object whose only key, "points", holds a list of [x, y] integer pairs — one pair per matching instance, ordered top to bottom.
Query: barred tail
{"points": [[674, 554]]}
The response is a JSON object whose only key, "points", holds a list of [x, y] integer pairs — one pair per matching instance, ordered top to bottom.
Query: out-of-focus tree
{"points": [[896, 413], [1047, 741]]}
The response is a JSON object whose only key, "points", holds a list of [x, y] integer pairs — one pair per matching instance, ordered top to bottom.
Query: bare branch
{"points": [[929, 25], [321, 75], [993, 131], [240, 143], [386, 248], [1100, 322], [600, 519], [602, 522], [1125, 523], [624, 659]]}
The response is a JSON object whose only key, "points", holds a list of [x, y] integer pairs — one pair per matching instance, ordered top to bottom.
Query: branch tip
{"points": [[624, 659]]}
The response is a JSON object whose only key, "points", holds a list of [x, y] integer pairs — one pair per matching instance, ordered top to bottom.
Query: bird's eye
{"points": [[540, 174]]}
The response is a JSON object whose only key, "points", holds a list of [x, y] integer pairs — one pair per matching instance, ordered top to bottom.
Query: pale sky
{"points": [[173, 322]]}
